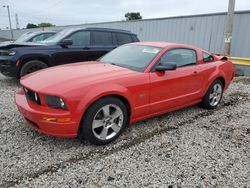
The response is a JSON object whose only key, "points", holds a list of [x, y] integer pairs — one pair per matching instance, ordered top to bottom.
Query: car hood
{"points": [[10, 45], [65, 78]]}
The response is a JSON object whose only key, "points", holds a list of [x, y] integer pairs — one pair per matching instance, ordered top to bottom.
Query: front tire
{"points": [[32, 66], [213, 96], [104, 121]]}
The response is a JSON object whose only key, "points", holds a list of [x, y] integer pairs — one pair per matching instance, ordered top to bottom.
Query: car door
{"points": [[101, 43], [79, 51], [174, 88]]}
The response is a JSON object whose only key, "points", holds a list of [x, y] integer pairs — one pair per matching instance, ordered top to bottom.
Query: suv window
{"points": [[47, 35], [41, 37], [80, 38], [102, 38], [123, 38], [180, 56], [207, 57]]}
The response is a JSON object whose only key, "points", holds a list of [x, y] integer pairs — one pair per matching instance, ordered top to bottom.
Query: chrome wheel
{"points": [[215, 95], [107, 122]]}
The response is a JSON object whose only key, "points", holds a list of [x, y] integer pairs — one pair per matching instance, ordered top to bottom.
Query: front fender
{"points": [[43, 57], [98, 92]]}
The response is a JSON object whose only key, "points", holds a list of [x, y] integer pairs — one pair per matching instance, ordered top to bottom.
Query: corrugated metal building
{"points": [[206, 31]]}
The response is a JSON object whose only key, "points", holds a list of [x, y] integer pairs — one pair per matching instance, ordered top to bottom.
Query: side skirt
{"points": [[165, 111]]}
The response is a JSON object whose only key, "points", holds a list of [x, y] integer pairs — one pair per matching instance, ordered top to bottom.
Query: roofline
{"points": [[187, 16], [165, 18], [152, 19], [99, 29], [107, 29]]}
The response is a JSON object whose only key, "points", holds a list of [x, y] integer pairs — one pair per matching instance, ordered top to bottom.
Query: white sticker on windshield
{"points": [[152, 51]]}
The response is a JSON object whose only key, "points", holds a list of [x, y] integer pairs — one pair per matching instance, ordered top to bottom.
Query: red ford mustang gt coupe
{"points": [[96, 100]]}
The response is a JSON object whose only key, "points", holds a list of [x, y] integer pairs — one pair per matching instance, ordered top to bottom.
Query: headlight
{"points": [[7, 53], [11, 53], [55, 102]]}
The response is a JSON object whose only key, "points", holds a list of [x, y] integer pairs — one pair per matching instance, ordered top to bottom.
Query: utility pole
{"points": [[17, 21], [229, 27], [11, 31]]}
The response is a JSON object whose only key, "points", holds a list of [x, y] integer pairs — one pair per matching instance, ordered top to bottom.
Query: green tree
{"points": [[133, 16], [45, 24], [30, 26]]}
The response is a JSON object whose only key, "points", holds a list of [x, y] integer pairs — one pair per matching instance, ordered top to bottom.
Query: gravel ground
{"points": [[192, 147]]}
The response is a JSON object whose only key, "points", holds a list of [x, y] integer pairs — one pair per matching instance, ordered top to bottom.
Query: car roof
{"points": [[100, 29], [108, 29], [40, 32], [164, 44]]}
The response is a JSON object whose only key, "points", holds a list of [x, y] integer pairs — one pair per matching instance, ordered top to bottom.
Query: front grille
{"points": [[32, 96]]}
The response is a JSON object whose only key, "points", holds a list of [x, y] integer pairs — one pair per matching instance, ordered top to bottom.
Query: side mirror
{"points": [[66, 42], [167, 66]]}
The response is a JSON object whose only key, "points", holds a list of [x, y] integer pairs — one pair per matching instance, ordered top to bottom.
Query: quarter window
{"points": [[80, 38], [102, 38], [123, 38], [181, 57], [207, 57]]}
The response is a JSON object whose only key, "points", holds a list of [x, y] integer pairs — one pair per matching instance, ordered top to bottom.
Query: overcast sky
{"points": [[67, 12]]}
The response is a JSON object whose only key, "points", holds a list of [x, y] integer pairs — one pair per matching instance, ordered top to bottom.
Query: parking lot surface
{"points": [[192, 147]]}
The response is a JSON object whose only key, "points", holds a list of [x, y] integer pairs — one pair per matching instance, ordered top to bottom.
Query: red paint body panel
{"points": [[148, 93]]}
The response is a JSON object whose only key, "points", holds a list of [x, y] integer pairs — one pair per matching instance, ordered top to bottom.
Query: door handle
{"points": [[86, 48]]}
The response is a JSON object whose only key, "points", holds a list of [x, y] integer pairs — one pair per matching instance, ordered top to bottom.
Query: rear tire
{"points": [[32, 66], [213, 96], [104, 121]]}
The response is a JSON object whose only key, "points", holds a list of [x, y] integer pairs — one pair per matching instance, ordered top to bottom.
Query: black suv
{"points": [[67, 46]]}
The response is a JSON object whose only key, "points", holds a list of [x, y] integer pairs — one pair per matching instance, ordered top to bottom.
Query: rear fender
{"points": [[216, 74]]}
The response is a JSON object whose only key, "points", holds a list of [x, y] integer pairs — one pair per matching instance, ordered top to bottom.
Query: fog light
{"points": [[49, 118], [59, 120], [62, 120]]}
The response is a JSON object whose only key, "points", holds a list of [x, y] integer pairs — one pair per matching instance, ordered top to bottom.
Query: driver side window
{"points": [[80, 38], [179, 56]]}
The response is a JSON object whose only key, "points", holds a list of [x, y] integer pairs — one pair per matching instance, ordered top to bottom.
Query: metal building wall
{"points": [[205, 31]]}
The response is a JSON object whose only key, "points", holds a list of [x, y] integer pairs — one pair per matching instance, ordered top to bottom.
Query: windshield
{"points": [[25, 37], [57, 37], [131, 56]]}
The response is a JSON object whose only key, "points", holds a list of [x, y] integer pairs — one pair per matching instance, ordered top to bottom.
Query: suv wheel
{"points": [[32, 66]]}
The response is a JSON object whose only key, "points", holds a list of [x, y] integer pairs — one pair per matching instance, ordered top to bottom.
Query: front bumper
{"points": [[8, 67], [34, 116]]}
